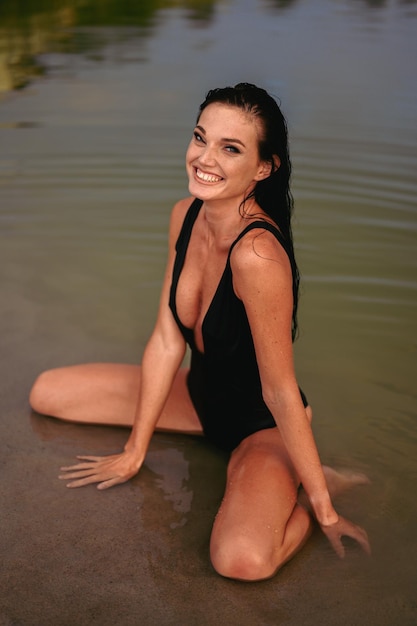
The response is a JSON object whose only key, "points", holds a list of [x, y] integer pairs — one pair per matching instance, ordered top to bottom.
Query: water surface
{"points": [[98, 102]]}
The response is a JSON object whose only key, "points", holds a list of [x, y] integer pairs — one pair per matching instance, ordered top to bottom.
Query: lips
{"points": [[206, 177]]}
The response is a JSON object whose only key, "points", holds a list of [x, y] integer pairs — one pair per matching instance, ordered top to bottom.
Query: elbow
{"points": [[171, 345], [174, 347], [272, 396], [280, 399], [285, 402]]}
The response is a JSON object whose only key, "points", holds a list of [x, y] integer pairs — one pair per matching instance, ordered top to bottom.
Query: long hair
{"points": [[273, 194]]}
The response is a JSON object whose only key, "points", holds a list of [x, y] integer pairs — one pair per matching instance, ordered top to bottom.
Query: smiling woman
{"points": [[221, 168], [230, 292]]}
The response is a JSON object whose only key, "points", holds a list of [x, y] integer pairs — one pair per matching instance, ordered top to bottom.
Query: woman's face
{"points": [[222, 159]]}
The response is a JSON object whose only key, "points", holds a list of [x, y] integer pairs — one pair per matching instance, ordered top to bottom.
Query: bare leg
{"points": [[107, 394], [263, 519], [260, 524]]}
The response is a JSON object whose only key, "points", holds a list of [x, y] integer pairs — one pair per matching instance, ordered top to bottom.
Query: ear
{"points": [[266, 169]]}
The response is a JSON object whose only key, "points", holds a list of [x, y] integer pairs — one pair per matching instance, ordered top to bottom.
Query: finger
{"points": [[93, 458], [91, 461], [78, 466], [78, 474], [88, 480], [117, 480], [357, 533], [362, 539], [338, 547]]}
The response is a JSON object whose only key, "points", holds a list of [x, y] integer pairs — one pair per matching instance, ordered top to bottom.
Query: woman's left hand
{"points": [[105, 470], [345, 528]]}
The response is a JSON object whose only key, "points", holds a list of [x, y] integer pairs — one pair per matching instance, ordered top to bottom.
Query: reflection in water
{"points": [[280, 4], [28, 31], [25, 34], [172, 470]]}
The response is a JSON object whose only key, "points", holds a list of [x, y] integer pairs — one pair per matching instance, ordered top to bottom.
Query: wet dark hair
{"points": [[272, 194]]}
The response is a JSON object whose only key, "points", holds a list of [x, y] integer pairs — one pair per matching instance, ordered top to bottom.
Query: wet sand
{"points": [[138, 553]]}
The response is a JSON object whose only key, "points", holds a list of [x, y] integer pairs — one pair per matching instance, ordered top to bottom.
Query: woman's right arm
{"points": [[162, 358]]}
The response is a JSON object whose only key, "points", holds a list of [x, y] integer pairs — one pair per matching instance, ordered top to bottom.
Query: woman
{"points": [[230, 291]]}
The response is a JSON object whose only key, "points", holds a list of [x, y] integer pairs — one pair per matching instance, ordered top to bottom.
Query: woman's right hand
{"points": [[107, 471], [345, 528]]}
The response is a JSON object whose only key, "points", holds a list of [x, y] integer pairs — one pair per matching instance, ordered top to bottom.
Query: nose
{"points": [[208, 156]]}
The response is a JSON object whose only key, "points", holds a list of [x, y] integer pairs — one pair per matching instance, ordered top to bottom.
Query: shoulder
{"points": [[180, 209], [178, 214], [260, 249], [260, 265]]}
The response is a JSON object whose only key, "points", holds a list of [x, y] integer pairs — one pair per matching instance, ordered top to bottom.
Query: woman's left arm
{"points": [[262, 279]]}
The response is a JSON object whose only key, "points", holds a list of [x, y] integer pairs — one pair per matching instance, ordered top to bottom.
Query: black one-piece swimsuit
{"points": [[224, 382]]}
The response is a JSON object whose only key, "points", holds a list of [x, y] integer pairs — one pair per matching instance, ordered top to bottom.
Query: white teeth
{"points": [[208, 178]]}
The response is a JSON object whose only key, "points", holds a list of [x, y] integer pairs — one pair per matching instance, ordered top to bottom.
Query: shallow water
{"points": [[97, 108]]}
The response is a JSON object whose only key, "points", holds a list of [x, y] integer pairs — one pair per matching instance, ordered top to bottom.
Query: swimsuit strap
{"points": [[260, 224], [187, 226], [280, 238], [181, 247]]}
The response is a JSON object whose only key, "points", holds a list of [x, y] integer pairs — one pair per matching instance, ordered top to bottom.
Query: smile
{"points": [[207, 178]]}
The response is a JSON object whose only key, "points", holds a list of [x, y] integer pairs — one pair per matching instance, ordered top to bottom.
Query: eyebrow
{"points": [[225, 139]]}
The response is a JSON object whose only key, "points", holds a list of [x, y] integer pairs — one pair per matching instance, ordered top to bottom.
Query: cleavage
{"points": [[196, 288]]}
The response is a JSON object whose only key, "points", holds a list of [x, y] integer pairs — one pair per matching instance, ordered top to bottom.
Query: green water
{"points": [[98, 102]]}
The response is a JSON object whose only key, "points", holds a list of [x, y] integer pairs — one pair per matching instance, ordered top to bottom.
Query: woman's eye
{"points": [[198, 137], [233, 149]]}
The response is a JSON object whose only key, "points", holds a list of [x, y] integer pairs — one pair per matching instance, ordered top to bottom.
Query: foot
{"points": [[340, 481], [337, 482]]}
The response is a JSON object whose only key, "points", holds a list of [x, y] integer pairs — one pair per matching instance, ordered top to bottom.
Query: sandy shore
{"points": [[138, 554]]}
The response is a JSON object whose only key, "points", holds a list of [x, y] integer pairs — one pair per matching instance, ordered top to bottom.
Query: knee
{"points": [[40, 394], [241, 560]]}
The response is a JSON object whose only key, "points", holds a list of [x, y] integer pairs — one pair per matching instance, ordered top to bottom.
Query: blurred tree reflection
{"points": [[280, 4], [29, 28]]}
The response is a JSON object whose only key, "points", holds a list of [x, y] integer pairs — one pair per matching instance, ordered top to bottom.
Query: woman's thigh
{"points": [[107, 393], [259, 524]]}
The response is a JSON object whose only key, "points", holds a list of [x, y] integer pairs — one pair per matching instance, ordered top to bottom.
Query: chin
{"points": [[199, 191], [202, 193]]}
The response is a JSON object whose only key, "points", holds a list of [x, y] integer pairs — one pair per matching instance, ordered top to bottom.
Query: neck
{"points": [[224, 220]]}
